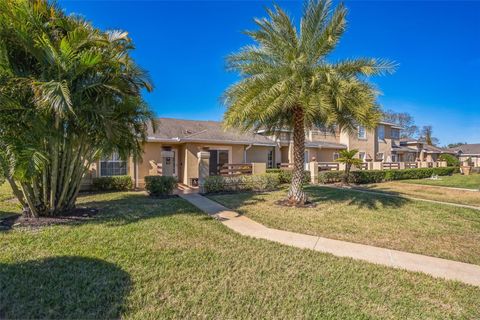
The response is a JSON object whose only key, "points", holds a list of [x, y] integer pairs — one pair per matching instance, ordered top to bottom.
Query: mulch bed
{"points": [[73, 216]]}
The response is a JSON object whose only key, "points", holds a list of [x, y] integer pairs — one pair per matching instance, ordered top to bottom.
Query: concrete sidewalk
{"points": [[442, 268]]}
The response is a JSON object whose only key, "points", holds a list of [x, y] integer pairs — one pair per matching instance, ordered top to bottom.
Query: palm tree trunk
{"points": [[346, 174], [296, 195]]}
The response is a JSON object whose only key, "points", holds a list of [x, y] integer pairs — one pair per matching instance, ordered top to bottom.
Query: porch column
{"points": [[203, 168], [259, 168], [313, 168]]}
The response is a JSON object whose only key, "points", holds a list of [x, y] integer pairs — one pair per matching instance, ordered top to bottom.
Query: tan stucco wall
{"points": [[260, 154], [284, 155], [325, 155]]}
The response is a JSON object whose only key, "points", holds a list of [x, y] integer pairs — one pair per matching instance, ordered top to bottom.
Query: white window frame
{"points": [[361, 129], [382, 136], [396, 136], [336, 155], [362, 155], [114, 157], [394, 157], [382, 158], [270, 159]]}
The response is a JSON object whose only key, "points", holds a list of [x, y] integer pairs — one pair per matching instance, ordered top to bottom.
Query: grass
{"points": [[456, 181], [428, 192], [9, 205], [390, 222], [145, 258]]}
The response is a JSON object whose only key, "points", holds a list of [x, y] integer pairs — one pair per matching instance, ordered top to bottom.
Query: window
{"points": [[381, 132], [362, 133], [395, 134], [336, 155], [361, 156], [379, 156], [394, 158], [270, 159], [113, 166]]}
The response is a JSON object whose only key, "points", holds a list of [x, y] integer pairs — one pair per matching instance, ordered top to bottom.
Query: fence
{"points": [[390, 165], [411, 165], [328, 166], [236, 169]]}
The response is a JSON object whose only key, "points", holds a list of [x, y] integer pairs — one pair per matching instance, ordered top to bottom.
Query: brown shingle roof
{"points": [[180, 130], [473, 148]]}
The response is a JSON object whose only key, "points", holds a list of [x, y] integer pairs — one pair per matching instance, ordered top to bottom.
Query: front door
{"points": [[169, 163]]}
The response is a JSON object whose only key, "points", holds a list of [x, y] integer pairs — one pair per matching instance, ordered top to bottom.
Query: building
{"points": [[172, 149], [468, 152]]}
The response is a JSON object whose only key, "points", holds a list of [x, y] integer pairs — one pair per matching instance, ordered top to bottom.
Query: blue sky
{"points": [[183, 44]]}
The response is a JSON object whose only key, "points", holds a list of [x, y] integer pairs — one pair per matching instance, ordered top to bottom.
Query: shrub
{"points": [[451, 160], [285, 175], [330, 176], [374, 176], [261, 182], [113, 183], [160, 185]]}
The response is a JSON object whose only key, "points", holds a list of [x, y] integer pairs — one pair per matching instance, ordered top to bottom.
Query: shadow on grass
{"points": [[357, 198], [133, 207], [114, 209], [61, 288]]}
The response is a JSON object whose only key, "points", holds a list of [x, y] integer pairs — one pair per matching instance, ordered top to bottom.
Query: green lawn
{"points": [[456, 180], [427, 192], [9, 205], [391, 222], [146, 258]]}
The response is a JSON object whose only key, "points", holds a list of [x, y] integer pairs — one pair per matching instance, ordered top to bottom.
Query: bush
{"points": [[451, 160], [285, 175], [330, 176], [374, 176], [261, 182], [113, 183], [160, 185]]}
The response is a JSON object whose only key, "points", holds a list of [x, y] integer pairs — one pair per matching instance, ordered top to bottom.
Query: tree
{"points": [[287, 82], [69, 93], [404, 120], [426, 135], [454, 145], [348, 158], [451, 160]]}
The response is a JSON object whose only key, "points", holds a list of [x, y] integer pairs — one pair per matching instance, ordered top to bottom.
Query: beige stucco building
{"points": [[171, 149]]}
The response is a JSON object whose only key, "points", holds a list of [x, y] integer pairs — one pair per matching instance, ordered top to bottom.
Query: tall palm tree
{"points": [[287, 82], [68, 94]]}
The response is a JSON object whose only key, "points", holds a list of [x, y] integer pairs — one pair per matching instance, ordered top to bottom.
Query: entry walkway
{"points": [[448, 269]]}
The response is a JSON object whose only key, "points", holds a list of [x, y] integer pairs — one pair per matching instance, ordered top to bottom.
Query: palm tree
{"points": [[287, 83], [68, 94], [348, 158]]}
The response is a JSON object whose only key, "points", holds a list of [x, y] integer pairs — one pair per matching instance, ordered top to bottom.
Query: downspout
{"points": [[245, 153]]}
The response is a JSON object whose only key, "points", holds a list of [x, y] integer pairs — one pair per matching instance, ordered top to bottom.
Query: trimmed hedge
{"points": [[285, 175], [374, 176], [260, 182], [113, 183], [160, 185]]}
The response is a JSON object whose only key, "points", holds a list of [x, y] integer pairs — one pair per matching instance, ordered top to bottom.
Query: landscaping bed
{"points": [[391, 222], [142, 257]]}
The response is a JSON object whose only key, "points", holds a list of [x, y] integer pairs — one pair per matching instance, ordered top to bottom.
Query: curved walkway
{"points": [[437, 267]]}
